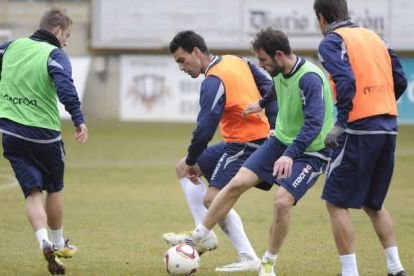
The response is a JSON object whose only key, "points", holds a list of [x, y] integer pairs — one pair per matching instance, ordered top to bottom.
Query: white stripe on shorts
{"points": [[338, 159]]}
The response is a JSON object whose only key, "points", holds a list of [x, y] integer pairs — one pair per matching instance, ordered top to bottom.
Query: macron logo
{"points": [[20, 101], [299, 179]]}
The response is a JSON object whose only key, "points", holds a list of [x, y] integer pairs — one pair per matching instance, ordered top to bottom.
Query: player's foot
{"points": [[177, 238], [209, 243], [68, 251], [244, 263], [54, 265], [267, 268], [400, 273]]}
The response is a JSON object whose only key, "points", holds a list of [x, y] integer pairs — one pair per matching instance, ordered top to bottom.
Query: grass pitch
{"points": [[121, 195]]}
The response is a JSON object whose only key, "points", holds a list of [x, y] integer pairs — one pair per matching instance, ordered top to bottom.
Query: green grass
{"points": [[121, 195]]}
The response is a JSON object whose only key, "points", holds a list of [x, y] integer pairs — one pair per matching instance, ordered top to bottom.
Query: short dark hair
{"points": [[332, 10], [54, 17], [188, 40], [270, 41]]}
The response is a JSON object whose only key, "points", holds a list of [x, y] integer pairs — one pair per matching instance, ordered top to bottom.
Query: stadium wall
{"points": [[120, 52]]}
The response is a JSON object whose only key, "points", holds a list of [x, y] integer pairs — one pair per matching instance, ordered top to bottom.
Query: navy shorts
{"points": [[221, 162], [36, 165], [305, 169], [361, 171]]}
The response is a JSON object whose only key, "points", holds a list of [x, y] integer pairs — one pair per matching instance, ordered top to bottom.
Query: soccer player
{"points": [[35, 71], [367, 78], [231, 83], [294, 156]]}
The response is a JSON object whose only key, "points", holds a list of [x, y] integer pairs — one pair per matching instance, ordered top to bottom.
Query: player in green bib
{"points": [[35, 74], [295, 156]]}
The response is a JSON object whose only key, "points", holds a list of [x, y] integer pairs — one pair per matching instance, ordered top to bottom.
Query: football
{"points": [[181, 260]]}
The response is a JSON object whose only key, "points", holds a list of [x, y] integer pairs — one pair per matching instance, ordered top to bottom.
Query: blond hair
{"points": [[56, 16]]}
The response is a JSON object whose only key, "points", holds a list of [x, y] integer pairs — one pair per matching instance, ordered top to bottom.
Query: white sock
{"points": [[195, 196], [232, 226], [200, 232], [41, 235], [56, 237], [267, 256], [393, 260], [349, 265]]}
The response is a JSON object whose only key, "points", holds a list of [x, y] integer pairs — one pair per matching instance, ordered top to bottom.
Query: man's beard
{"points": [[276, 70]]}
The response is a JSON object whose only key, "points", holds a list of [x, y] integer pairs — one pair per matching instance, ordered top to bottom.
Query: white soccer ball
{"points": [[181, 260]]}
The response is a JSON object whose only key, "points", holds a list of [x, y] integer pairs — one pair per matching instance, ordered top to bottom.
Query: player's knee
{"points": [[179, 168], [237, 186], [34, 192], [209, 196], [207, 202], [284, 203], [330, 206], [370, 212]]}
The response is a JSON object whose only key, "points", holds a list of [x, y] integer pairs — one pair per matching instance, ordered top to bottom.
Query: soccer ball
{"points": [[181, 260]]}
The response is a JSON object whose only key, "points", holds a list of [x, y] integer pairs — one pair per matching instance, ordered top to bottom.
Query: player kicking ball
{"points": [[231, 83], [296, 151]]}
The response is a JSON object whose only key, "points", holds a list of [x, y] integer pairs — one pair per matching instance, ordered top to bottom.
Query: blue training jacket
{"points": [[334, 57], [60, 70], [311, 85], [212, 109]]}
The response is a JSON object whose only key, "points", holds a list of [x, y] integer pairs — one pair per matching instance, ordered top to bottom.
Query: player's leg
{"points": [[235, 154], [21, 155], [53, 167], [256, 169], [305, 172], [341, 173], [245, 178], [346, 186], [195, 194], [226, 198], [284, 202], [221, 206], [54, 211], [37, 215], [380, 217], [38, 219], [232, 226], [383, 226], [343, 233]]}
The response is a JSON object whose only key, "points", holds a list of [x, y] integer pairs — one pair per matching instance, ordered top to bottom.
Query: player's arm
{"points": [[3, 48], [334, 57], [60, 70], [400, 80], [311, 87], [269, 98], [212, 102], [269, 102]]}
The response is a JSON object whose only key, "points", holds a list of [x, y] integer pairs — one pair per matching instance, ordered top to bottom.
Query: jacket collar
{"points": [[338, 24], [46, 36]]}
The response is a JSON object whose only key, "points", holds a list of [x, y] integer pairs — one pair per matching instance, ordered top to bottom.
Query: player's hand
{"points": [[251, 108], [271, 132], [81, 134], [330, 139], [283, 167], [193, 173]]}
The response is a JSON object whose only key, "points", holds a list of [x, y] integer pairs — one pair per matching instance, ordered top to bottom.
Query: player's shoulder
{"points": [[59, 54], [59, 58]]}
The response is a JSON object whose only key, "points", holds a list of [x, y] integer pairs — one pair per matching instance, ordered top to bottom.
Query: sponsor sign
{"points": [[231, 24], [154, 89]]}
